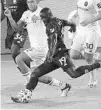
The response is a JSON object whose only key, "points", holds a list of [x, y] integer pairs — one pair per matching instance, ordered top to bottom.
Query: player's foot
{"points": [[92, 84], [65, 89], [24, 96], [16, 99]]}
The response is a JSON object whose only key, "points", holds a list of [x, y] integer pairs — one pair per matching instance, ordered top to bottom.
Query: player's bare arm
{"points": [[73, 16], [96, 18], [93, 19], [15, 26]]}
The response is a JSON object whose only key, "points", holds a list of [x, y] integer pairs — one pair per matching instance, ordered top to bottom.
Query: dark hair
{"points": [[46, 13]]}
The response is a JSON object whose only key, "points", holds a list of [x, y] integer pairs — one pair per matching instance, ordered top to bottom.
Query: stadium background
{"points": [[60, 8]]}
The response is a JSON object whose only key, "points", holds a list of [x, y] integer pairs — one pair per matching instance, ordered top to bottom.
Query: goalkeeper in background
{"points": [[58, 54]]}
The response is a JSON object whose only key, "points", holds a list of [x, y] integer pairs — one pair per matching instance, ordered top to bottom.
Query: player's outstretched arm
{"points": [[71, 24], [15, 26]]}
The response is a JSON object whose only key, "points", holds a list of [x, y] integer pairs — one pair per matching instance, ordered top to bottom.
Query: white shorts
{"points": [[86, 39], [38, 56]]}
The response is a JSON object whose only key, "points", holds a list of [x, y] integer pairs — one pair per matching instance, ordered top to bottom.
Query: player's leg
{"points": [[18, 42], [76, 47], [90, 47], [15, 51], [23, 60], [61, 61], [64, 61], [46, 68], [26, 71], [39, 72], [45, 79], [92, 80], [65, 87]]}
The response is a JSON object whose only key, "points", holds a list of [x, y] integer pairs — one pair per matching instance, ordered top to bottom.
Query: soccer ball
{"points": [[25, 95]]}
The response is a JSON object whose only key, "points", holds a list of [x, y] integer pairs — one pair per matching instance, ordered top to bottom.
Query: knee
{"points": [[15, 51], [14, 54], [89, 58], [19, 59], [89, 61], [72, 73], [35, 74]]}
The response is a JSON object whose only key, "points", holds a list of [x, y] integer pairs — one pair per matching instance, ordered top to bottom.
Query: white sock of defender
{"points": [[27, 76], [92, 80], [55, 82]]}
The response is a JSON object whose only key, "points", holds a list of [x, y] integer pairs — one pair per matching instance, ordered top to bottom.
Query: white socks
{"points": [[27, 76], [55, 82]]}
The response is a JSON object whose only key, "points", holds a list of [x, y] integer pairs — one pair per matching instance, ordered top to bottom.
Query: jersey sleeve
{"points": [[97, 5], [23, 18], [64, 22]]}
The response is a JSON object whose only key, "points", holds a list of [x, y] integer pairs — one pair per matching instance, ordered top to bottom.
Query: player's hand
{"points": [[7, 12]]}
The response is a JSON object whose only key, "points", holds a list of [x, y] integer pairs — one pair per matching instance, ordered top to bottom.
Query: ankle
{"points": [[55, 82]]}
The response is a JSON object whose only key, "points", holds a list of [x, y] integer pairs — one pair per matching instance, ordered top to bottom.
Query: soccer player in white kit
{"points": [[86, 38], [38, 43]]}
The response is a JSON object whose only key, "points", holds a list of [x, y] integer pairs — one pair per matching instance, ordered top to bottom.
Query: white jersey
{"points": [[87, 9], [36, 29]]}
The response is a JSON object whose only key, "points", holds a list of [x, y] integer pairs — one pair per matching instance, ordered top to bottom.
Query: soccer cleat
{"points": [[92, 84], [66, 88], [24, 96], [16, 99]]}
